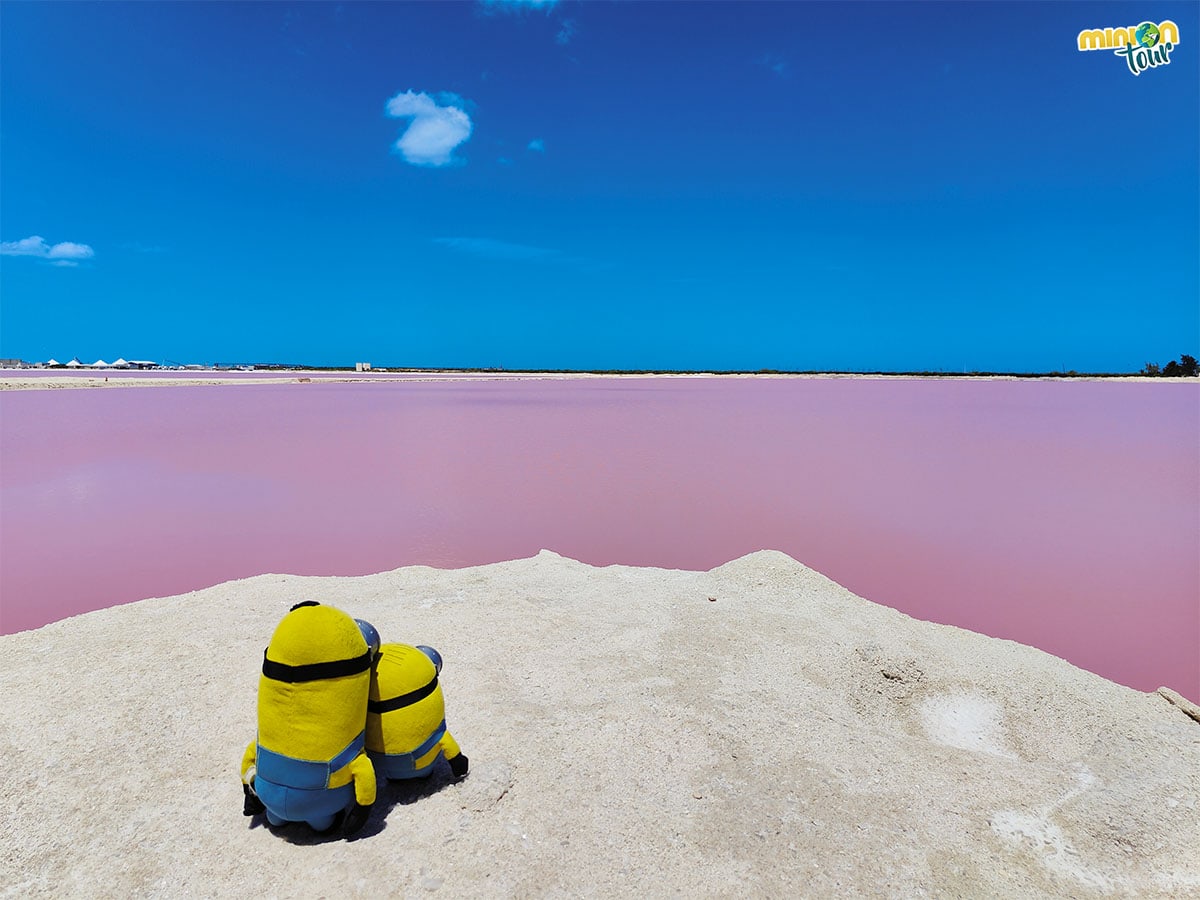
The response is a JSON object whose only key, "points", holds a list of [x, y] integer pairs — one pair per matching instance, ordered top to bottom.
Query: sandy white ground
{"points": [[756, 730]]}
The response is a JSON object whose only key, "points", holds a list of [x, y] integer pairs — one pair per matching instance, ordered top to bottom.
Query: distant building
{"points": [[13, 364], [362, 367]]}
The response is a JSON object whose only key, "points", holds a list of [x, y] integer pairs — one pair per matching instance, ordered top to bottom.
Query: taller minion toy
{"points": [[406, 715], [308, 762]]}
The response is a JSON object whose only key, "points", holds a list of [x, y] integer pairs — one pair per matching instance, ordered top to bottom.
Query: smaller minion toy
{"points": [[406, 714], [308, 762]]}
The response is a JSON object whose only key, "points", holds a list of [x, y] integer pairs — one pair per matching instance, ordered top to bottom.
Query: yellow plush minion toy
{"points": [[406, 715], [308, 762]]}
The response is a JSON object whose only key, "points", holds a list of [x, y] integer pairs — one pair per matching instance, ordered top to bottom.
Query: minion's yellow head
{"points": [[314, 634], [406, 703]]}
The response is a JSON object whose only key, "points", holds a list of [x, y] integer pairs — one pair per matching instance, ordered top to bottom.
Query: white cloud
{"points": [[566, 32], [449, 98], [436, 129], [537, 145], [30, 246], [67, 252]]}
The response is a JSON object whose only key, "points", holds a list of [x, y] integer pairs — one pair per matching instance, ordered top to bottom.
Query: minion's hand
{"points": [[459, 765], [253, 806], [355, 819]]}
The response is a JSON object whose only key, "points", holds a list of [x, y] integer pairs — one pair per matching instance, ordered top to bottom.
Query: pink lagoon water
{"points": [[1065, 515]]}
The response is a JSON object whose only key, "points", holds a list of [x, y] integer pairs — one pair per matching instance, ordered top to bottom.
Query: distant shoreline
{"points": [[9, 366], [53, 379]]}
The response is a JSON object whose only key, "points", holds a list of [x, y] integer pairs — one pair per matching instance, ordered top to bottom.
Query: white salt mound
{"points": [[966, 721], [627, 735]]}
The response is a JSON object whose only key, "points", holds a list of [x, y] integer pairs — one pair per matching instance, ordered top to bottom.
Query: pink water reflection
{"points": [[1061, 514]]}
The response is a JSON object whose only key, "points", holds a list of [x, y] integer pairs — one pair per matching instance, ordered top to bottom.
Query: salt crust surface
{"points": [[14, 380], [627, 734]]}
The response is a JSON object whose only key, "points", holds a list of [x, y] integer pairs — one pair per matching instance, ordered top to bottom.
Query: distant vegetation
{"points": [[1186, 367]]}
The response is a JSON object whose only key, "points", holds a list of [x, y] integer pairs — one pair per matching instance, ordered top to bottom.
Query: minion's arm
{"points": [[454, 755], [248, 760], [363, 773], [252, 806]]}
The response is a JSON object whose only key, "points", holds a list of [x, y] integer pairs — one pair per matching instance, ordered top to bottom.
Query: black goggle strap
{"points": [[338, 668], [384, 706]]}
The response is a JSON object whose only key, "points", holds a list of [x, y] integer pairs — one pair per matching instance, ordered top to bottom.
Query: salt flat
{"points": [[17, 380], [756, 730]]}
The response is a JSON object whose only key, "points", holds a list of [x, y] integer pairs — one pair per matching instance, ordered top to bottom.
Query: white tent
{"points": [[51, 362], [120, 363], [75, 364], [99, 364]]}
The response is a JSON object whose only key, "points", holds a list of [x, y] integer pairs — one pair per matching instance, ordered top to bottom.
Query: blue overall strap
{"points": [[430, 742], [404, 765], [305, 773]]}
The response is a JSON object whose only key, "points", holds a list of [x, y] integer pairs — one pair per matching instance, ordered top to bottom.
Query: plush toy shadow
{"points": [[406, 793], [389, 795]]}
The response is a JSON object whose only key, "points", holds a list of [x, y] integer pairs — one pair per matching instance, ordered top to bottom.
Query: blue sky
{"points": [[593, 185]]}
